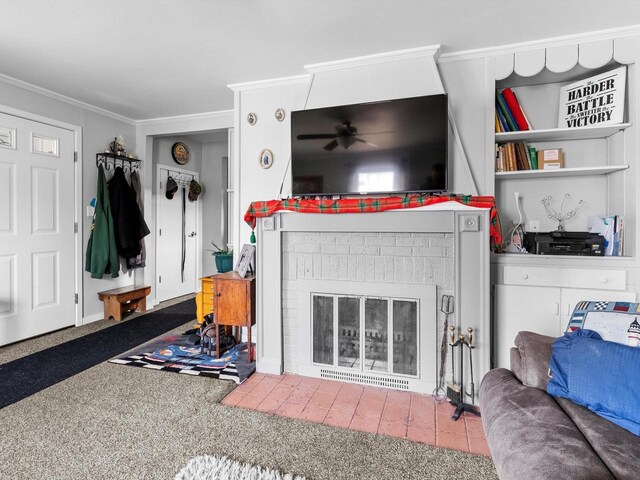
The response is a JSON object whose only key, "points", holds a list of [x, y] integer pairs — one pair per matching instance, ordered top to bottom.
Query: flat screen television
{"points": [[394, 146]]}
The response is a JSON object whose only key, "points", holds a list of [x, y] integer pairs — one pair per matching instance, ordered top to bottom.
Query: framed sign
{"points": [[597, 100], [244, 264]]}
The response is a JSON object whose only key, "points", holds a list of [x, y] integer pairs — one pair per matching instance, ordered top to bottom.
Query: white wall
{"points": [[97, 131]]}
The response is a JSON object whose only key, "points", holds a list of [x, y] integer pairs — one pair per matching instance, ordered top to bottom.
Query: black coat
{"points": [[129, 223]]}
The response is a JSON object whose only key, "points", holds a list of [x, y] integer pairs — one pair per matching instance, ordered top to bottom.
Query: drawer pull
{"points": [[525, 276], [604, 280]]}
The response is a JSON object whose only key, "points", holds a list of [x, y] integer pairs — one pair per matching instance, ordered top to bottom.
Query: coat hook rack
{"points": [[111, 161]]}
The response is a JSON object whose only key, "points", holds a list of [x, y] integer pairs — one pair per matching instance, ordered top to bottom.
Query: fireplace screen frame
{"points": [[362, 363]]}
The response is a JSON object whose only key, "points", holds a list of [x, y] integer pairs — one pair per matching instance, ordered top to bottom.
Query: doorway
{"points": [[37, 228], [178, 243]]}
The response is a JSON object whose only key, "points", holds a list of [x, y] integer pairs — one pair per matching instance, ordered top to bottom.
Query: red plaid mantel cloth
{"points": [[370, 205]]}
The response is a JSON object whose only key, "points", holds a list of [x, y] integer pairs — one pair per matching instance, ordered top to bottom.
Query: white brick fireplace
{"points": [[389, 269]]}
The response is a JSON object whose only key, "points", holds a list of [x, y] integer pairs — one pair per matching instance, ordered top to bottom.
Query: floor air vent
{"points": [[365, 379]]}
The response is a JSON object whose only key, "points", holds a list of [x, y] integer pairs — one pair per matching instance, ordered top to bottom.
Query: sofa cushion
{"points": [[614, 321], [530, 359], [602, 376], [530, 436], [618, 449]]}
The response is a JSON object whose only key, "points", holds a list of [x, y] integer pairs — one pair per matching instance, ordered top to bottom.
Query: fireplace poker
{"points": [[446, 307]]}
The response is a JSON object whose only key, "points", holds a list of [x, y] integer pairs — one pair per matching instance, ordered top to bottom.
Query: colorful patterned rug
{"points": [[177, 353]]}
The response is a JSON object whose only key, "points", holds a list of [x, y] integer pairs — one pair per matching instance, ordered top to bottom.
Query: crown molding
{"points": [[542, 43], [375, 59], [272, 82], [64, 99], [217, 115]]}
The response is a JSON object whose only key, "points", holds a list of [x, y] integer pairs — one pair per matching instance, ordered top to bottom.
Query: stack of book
{"points": [[509, 115], [513, 156]]}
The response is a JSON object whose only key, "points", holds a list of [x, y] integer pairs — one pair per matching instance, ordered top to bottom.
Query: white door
{"points": [[37, 238], [171, 281], [534, 309]]}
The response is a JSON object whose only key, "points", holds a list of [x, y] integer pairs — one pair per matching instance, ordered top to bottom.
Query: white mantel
{"points": [[468, 226]]}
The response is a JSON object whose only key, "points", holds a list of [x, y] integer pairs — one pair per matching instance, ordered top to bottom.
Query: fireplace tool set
{"points": [[446, 307], [456, 391]]}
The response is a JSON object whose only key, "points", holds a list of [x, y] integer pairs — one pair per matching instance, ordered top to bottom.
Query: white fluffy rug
{"points": [[207, 467]]}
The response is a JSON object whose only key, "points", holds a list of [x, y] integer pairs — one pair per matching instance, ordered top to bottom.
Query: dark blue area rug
{"points": [[28, 375]]}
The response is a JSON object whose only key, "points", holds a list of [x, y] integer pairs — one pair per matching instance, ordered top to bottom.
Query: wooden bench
{"points": [[123, 300]]}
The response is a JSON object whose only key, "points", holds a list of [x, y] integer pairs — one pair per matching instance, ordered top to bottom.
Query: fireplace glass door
{"points": [[369, 334]]}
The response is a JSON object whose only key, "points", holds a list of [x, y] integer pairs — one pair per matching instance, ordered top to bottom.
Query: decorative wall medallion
{"points": [[280, 114], [252, 118], [180, 153], [266, 158]]}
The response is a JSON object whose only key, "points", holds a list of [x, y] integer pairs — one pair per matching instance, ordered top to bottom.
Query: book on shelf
{"points": [[597, 100], [511, 116], [515, 156]]}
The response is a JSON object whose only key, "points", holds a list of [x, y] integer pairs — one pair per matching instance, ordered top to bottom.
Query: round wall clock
{"points": [[180, 153]]}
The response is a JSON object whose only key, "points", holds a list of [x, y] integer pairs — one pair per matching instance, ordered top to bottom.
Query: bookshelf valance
{"points": [[562, 58]]}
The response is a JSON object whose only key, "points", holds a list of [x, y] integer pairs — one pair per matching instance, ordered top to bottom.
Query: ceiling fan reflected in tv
{"points": [[395, 146]]}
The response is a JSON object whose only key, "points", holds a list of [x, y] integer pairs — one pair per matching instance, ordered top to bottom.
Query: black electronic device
{"points": [[391, 146], [564, 243]]}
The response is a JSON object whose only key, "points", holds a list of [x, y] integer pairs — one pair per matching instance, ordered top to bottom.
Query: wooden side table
{"points": [[233, 302]]}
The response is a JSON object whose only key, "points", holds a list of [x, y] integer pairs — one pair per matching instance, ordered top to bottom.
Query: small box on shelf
{"points": [[550, 159]]}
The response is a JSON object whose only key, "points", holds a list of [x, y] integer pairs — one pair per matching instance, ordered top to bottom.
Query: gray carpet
{"points": [[115, 422]]}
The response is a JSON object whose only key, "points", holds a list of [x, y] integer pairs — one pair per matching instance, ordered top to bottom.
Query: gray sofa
{"points": [[532, 435]]}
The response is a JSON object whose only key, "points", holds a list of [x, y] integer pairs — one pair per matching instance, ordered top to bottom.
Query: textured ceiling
{"points": [[156, 58]]}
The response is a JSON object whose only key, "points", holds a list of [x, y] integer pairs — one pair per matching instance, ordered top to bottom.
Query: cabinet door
{"points": [[571, 296], [231, 302], [534, 309]]}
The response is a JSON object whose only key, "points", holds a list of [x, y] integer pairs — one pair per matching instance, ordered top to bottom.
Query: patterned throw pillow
{"points": [[617, 322]]}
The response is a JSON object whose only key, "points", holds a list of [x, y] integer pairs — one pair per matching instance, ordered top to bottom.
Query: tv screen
{"points": [[382, 147]]}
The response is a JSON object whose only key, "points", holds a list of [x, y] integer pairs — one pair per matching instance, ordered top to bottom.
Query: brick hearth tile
{"points": [[290, 379], [310, 383], [249, 384], [265, 386], [329, 386], [351, 390], [282, 391], [373, 394], [301, 396], [233, 398], [399, 398], [322, 399], [251, 401], [422, 402], [345, 403], [270, 405], [445, 407], [291, 410], [369, 411], [395, 413], [314, 414], [338, 418], [423, 419], [444, 423], [364, 425], [394, 429], [474, 429], [423, 435], [453, 441], [479, 446]]}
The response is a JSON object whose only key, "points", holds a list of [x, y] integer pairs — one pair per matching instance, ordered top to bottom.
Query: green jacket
{"points": [[102, 256]]}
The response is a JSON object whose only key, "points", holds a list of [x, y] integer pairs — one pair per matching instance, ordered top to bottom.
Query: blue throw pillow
{"points": [[602, 376]]}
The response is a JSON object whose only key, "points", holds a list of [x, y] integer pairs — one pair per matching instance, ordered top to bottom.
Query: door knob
{"points": [[192, 234]]}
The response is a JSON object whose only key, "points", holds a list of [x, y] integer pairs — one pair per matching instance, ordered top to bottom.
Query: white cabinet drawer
{"points": [[598, 279]]}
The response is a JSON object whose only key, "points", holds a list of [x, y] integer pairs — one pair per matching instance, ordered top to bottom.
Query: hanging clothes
{"points": [[129, 223], [102, 255], [138, 261]]}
